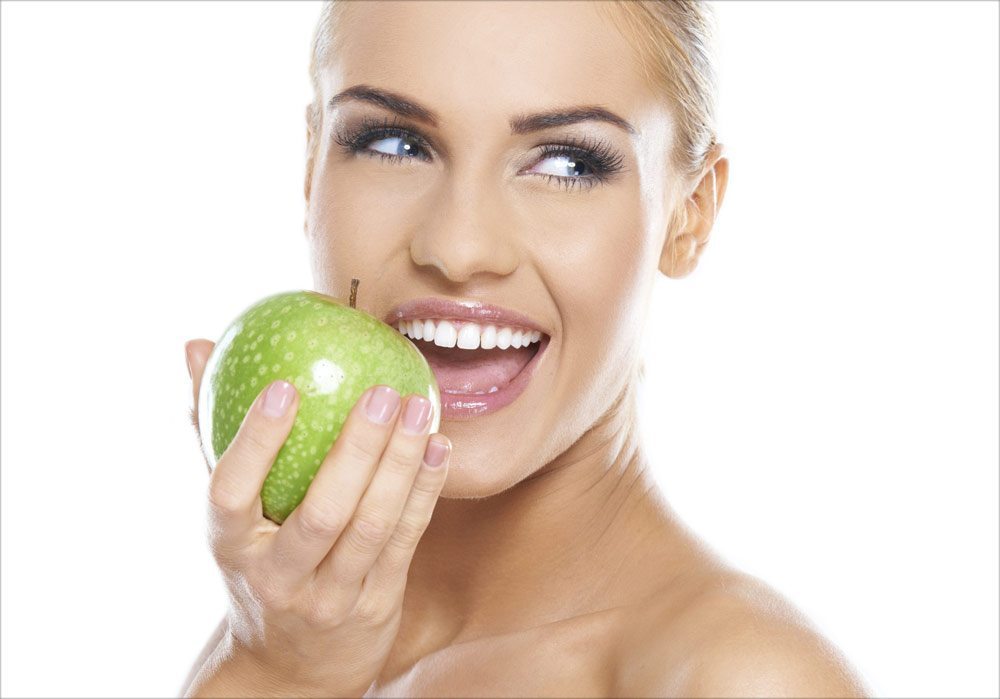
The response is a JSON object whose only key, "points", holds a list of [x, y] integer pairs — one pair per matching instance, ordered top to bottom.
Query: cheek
{"points": [[357, 221], [598, 256], [599, 264]]}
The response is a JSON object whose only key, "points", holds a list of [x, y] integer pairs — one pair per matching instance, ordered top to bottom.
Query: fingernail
{"points": [[277, 399], [382, 402], [417, 414], [435, 453]]}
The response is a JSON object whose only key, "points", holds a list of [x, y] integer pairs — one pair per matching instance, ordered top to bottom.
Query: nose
{"points": [[470, 232]]}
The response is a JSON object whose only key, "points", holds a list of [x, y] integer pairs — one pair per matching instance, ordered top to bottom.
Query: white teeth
{"points": [[445, 335], [468, 336], [489, 338], [503, 338]]}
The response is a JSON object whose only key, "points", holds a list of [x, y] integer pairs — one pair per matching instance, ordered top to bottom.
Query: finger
{"points": [[235, 484], [377, 515], [307, 534], [387, 577]]}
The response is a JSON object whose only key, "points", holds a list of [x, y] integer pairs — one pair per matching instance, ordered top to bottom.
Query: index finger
{"points": [[234, 488]]}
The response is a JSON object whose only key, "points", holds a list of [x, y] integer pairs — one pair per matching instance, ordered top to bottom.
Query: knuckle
{"points": [[255, 440], [360, 446], [400, 461], [426, 489], [222, 496], [318, 520], [409, 530], [368, 532], [371, 609], [324, 612], [317, 615]]}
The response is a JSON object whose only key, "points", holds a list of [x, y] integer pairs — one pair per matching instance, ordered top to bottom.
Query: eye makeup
{"points": [[355, 139], [597, 157]]}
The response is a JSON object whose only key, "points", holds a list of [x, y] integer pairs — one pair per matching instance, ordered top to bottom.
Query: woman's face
{"points": [[564, 224]]}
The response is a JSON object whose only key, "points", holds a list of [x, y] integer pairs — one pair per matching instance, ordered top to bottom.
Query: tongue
{"points": [[475, 371]]}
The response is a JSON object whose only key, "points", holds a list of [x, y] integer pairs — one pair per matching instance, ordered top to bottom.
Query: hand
{"points": [[316, 602]]}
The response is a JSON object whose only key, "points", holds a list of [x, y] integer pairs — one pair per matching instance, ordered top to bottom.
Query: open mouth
{"points": [[478, 369]]}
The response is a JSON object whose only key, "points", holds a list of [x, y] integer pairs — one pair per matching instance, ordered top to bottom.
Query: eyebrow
{"points": [[519, 124]]}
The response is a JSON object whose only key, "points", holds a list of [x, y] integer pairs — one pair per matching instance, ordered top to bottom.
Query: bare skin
{"points": [[553, 564]]}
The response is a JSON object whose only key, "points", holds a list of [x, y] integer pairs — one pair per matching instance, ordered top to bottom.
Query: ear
{"points": [[692, 225]]}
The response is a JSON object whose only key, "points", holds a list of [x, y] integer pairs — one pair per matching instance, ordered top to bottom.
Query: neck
{"points": [[558, 544]]}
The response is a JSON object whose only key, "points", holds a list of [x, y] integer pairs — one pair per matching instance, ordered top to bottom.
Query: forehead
{"points": [[485, 60]]}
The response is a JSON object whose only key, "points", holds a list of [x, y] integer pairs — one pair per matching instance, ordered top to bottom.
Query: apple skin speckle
{"points": [[331, 353]]}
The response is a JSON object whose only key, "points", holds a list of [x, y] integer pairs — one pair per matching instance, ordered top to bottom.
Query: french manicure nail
{"points": [[277, 398], [382, 402], [417, 414], [435, 453]]}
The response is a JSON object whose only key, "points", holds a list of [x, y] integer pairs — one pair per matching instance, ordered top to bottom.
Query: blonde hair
{"points": [[674, 45]]}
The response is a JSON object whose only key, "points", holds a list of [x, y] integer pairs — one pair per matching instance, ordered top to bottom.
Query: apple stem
{"points": [[354, 293]]}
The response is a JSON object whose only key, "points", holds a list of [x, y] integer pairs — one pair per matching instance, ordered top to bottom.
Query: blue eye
{"points": [[382, 134], [405, 147], [576, 162], [579, 163], [569, 166]]}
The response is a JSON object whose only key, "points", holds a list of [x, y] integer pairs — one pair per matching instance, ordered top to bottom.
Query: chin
{"points": [[476, 476]]}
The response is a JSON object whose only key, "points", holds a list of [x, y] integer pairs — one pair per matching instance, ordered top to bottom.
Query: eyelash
{"points": [[597, 155]]}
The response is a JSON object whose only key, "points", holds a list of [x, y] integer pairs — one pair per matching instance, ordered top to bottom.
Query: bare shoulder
{"points": [[728, 634]]}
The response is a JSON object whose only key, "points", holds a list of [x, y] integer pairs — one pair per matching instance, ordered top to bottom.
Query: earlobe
{"points": [[691, 229], [680, 256]]}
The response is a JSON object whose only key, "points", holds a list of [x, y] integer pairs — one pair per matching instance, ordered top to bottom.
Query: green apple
{"points": [[332, 353]]}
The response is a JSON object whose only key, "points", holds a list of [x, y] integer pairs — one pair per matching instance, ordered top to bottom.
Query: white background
{"points": [[821, 401]]}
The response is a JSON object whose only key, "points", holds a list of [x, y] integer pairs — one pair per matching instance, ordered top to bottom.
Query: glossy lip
{"points": [[444, 309], [466, 406]]}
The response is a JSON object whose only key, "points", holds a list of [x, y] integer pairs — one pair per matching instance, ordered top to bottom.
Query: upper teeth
{"points": [[446, 333]]}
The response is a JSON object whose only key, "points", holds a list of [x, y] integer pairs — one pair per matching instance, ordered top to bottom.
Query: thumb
{"points": [[197, 353]]}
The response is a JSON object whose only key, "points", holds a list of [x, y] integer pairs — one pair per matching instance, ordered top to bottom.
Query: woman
{"points": [[548, 161]]}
